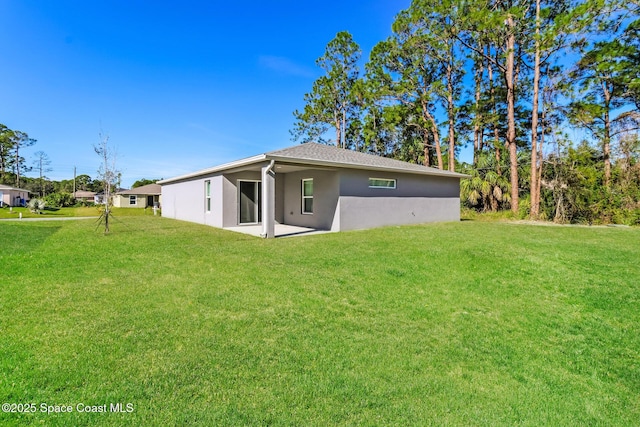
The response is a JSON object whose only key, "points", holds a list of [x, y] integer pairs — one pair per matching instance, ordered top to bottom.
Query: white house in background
{"points": [[316, 186], [12, 196], [140, 197]]}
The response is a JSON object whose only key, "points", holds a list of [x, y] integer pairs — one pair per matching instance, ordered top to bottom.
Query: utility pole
{"points": [[74, 182]]}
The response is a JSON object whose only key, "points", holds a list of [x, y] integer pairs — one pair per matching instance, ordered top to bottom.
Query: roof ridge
{"points": [[313, 153], [338, 155]]}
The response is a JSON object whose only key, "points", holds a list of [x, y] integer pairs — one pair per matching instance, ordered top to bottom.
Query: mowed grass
{"points": [[83, 211], [444, 324]]}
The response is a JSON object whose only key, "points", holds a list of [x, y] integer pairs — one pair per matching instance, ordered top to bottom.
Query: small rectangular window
{"points": [[382, 183], [207, 195], [307, 196], [132, 200]]}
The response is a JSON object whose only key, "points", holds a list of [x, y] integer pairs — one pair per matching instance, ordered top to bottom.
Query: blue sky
{"points": [[177, 86]]}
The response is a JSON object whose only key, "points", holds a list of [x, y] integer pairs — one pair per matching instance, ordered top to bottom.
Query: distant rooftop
{"points": [[7, 187], [149, 190], [83, 193]]}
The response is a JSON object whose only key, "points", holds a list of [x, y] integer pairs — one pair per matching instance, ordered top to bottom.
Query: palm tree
{"points": [[486, 190], [36, 205]]}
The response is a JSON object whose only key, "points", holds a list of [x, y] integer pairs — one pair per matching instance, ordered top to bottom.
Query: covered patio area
{"points": [[281, 230]]}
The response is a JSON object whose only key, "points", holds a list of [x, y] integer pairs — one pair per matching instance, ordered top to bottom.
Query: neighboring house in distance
{"points": [[316, 186], [12, 196], [85, 196], [99, 197], [141, 197]]}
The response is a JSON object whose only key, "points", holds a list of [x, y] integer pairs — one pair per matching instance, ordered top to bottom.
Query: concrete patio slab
{"points": [[282, 230]]}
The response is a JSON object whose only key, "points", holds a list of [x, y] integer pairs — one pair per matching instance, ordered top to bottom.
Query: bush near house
{"points": [[60, 200], [36, 206]]}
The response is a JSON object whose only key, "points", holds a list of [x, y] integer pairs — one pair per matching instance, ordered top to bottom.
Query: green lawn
{"points": [[71, 212], [446, 324]]}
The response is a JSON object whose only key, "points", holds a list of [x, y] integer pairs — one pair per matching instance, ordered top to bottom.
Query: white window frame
{"points": [[394, 181], [207, 196], [303, 197], [133, 199]]}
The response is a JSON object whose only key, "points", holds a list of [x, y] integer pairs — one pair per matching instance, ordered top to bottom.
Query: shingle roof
{"points": [[312, 153], [331, 155], [7, 187], [149, 189], [83, 193]]}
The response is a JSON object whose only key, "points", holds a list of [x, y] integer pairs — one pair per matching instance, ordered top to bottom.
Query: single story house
{"points": [[316, 186], [12, 196], [85, 196], [140, 197], [98, 199]]}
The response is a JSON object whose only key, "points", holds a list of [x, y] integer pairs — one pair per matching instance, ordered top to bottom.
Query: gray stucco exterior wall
{"points": [[280, 181], [356, 183], [325, 198], [416, 199], [186, 201], [369, 212]]}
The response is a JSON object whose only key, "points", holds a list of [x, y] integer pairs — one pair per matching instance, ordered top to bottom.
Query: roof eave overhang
{"points": [[308, 162], [216, 169], [427, 171], [15, 189], [138, 194]]}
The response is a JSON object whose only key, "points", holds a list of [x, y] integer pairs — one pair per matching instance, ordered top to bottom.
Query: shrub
{"points": [[60, 200], [36, 205]]}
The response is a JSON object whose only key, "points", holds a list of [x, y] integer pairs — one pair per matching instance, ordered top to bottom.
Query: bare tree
{"points": [[42, 163], [108, 174]]}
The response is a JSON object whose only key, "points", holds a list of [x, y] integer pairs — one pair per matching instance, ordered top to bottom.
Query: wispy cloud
{"points": [[285, 66]]}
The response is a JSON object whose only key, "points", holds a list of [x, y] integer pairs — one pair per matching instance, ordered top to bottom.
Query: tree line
{"points": [[545, 93], [13, 165], [14, 168]]}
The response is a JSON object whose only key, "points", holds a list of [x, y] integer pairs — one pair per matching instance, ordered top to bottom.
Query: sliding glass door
{"points": [[250, 202]]}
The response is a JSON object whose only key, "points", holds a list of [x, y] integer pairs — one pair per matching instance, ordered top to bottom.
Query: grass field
{"points": [[14, 213], [445, 324]]}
